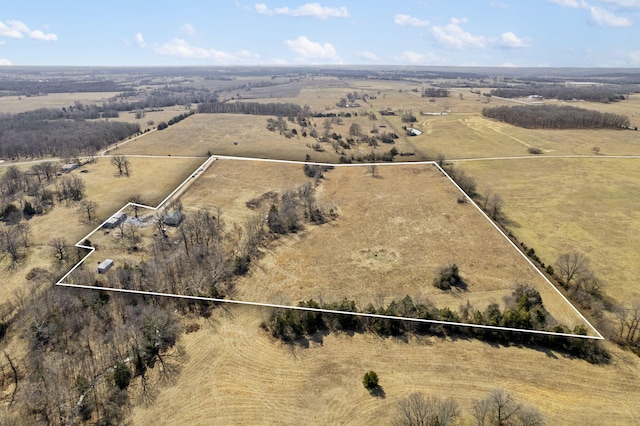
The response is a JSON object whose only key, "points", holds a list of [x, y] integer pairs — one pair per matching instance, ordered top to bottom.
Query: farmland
{"points": [[387, 236]]}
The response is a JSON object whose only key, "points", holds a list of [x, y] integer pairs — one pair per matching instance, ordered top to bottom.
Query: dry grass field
{"points": [[16, 104], [217, 133], [562, 205], [392, 235], [237, 374]]}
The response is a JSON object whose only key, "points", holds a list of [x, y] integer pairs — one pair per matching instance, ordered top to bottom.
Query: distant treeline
{"points": [[33, 87], [433, 92], [587, 93], [161, 98], [255, 108], [556, 117], [30, 135], [524, 311]]}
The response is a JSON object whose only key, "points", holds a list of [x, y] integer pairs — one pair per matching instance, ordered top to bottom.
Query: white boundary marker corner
{"points": [[198, 172]]}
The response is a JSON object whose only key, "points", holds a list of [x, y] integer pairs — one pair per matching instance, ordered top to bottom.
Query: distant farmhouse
{"points": [[413, 132]]}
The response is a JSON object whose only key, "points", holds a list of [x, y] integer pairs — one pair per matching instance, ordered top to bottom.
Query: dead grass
{"points": [[16, 104], [561, 205], [392, 235], [237, 374]]}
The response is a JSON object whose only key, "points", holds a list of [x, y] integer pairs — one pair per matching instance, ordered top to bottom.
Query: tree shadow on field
{"points": [[378, 392]]}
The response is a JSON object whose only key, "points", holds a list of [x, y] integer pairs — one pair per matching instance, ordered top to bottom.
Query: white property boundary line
{"points": [[211, 159]]}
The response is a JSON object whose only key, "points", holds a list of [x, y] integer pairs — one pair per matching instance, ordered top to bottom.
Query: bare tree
{"points": [[355, 129], [122, 164], [373, 170], [136, 200], [494, 206], [87, 210], [59, 247], [572, 264], [629, 323], [501, 408], [416, 410]]}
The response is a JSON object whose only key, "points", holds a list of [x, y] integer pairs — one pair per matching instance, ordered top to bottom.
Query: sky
{"points": [[511, 33]]}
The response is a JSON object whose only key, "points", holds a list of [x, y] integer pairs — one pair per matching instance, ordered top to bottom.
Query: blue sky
{"points": [[524, 33]]}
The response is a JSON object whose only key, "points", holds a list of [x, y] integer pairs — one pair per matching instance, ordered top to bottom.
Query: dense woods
{"points": [[21, 87], [435, 92], [605, 93], [255, 108], [556, 117], [31, 135]]}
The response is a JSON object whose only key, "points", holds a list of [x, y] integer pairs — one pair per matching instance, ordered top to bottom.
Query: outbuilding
{"points": [[67, 168], [173, 219], [115, 220], [105, 266]]}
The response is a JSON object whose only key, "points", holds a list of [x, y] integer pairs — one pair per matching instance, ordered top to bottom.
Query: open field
{"points": [[16, 104], [217, 133], [562, 205], [392, 235], [237, 374]]}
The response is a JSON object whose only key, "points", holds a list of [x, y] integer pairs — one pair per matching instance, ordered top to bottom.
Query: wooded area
{"points": [[593, 93], [556, 117]]}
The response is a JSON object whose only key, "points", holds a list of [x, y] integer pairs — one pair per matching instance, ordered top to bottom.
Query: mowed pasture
{"points": [[17, 104], [247, 136], [152, 178], [589, 205], [392, 235], [237, 374]]}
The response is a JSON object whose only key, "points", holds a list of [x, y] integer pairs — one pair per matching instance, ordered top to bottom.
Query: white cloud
{"points": [[567, 3], [623, 3], [314, 10], [604, 17], [409, 21], [458, 21], [18, 29], [188, 29], [453, 36], [509, 39], [140, 40], [180, 48], [310, 49], [367, 55], [411, 57], [634, 57], [414, 58], [5, 62]]}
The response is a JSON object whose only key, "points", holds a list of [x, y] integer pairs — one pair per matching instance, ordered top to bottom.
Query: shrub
{"points": [[536, 151], [448, 276], [370, 380]]}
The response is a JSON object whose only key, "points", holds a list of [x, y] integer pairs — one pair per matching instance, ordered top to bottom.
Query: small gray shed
{"points": [[105, 265]]}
